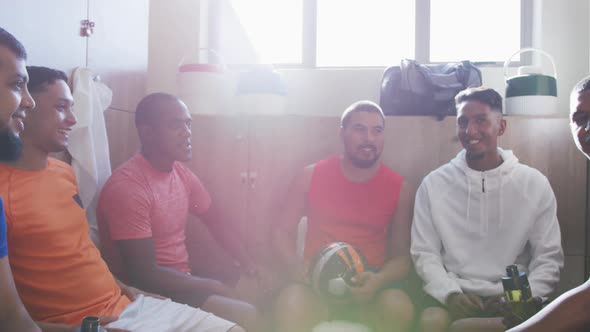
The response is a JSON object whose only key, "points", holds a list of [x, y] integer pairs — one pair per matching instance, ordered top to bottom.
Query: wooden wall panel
{"points": [[123, 140], [546, 144], [415, 146], [275, 156], [220, 157]]}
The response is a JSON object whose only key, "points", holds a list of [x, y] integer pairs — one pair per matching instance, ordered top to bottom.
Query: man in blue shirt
{"points": [[14, 101], [3, 248]]}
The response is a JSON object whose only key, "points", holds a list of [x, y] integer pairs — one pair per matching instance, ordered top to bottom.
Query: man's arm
{"points": [[208, 211], [284, 233], [226, 235], [545, 242], [425, 249], [139, 258], [398, 264], [569, 312], [13, 315]]}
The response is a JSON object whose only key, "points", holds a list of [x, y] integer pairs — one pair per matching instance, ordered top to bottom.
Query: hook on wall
{"points": [[86, 28]]}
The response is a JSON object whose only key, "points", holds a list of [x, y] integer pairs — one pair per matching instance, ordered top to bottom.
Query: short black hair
{"points": [[9, 41], [41, 77], [582, 86], [481, 94], [360, 106], [149, 107]]}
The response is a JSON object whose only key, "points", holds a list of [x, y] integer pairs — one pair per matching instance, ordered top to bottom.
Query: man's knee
{"points": [[295, 297], [298, 302], [396, 304], [237, 311], [250, 317], [434, 319], [478, 324], [236, 328]]}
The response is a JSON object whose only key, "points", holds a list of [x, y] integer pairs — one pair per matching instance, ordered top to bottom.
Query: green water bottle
{"points": [[516, 285], [518, 292], [91, 324]]}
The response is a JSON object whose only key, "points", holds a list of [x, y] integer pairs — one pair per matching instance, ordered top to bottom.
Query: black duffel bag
{"points": [[415, 89]]}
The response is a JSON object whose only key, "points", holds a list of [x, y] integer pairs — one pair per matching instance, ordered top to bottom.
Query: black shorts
{"points": [[428, 302]]}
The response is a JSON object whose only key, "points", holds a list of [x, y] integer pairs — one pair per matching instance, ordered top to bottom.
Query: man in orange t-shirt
{"points": [[57, 269]]}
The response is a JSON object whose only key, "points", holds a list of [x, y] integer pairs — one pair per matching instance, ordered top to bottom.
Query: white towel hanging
{"points": [[88, 144]]}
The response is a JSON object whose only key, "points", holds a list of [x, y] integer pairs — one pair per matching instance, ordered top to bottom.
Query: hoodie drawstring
{"points": [[468, 197], [500, 214], [483, 224]]}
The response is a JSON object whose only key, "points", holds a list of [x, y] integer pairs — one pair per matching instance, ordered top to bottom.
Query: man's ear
{"points": [[502, 127], [145, 132]]}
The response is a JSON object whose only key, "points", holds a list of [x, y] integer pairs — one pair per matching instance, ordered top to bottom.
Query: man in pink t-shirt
{"points": [[143, 210]]}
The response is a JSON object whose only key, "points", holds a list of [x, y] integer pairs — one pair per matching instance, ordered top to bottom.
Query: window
{"points": [[273, 27], [474, 30], [356, 32], [365, 33]]}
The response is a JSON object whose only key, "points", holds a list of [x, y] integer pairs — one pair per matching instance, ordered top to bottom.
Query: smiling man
{"points": [[14, 101], [353, 198], [478, 214]]}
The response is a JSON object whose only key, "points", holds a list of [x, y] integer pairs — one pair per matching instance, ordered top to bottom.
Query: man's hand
{"points": [[247, 267], [299, 271], [269, 282], [365, 286], [219, 288], [132, 293], [464, 305], [496, 305], [514, 317]]}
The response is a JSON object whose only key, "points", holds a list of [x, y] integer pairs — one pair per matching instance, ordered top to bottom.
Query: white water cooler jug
{"points": [[203, 85], [531, 92]]}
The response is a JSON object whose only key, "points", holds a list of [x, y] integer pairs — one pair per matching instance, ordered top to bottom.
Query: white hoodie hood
{"points": [[469, 225]]}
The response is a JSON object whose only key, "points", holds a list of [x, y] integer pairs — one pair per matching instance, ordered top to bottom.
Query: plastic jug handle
{"points": [[531, 49], [209, 51]]}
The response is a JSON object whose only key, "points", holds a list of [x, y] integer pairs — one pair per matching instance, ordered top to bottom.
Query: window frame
{"points": [[421, 37]]}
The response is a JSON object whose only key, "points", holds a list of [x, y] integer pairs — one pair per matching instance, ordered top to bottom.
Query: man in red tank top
{"points": [[352, 198]]}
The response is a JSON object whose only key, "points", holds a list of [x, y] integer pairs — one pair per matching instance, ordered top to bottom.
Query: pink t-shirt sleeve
{"points": [[200, 200], [126, 209]]}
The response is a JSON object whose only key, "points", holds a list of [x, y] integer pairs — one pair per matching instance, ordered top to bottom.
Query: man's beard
{"points": [[11, 146], [363, 163]]}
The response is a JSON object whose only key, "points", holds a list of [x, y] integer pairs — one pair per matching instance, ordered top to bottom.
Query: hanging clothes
{"points": [[89, 146]]}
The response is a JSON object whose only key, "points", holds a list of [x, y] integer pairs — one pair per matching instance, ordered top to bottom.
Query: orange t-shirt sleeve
{"points": [[127, 211]]}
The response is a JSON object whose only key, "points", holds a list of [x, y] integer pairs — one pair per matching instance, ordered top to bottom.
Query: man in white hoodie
{"points": [[476, 215]]}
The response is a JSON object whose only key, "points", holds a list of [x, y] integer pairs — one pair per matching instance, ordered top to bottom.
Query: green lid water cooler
{"points": [[531, 91]]}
